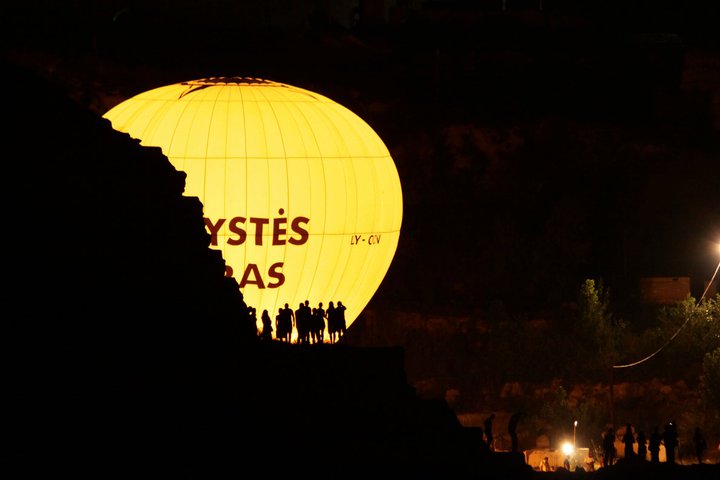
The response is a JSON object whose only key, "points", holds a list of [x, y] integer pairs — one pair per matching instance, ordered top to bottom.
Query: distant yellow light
{"points": [[299, 193], [567, 448]]}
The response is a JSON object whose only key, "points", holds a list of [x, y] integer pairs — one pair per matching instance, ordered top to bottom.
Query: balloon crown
{"points": [[233, 80], [201, 83]]}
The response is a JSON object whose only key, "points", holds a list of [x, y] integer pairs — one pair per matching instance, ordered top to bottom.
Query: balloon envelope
{"points": [[299, 193]]}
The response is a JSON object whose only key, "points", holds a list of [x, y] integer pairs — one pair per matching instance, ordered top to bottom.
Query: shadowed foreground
{"points": [[126, 352]]}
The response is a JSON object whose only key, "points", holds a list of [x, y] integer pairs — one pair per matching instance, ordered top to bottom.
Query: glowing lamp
{"points": [[299, 193]]}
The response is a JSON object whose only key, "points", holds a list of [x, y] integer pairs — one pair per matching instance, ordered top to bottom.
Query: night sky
{"points": [[536, 148]]}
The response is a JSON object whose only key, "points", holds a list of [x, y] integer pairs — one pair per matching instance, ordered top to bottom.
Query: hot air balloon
{"points": [[299, 193]]}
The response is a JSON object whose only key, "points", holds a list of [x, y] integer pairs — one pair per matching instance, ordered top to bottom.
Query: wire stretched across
{"points": [[676, 333]]}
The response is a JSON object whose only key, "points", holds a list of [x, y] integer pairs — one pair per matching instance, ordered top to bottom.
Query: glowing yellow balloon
{"points": [[299, 193]]}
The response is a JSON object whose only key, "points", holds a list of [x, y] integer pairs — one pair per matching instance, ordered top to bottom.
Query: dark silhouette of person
{"points": [[340, 312], [252, 316], [308, 321], [284, 323], [320, 323], [332, 323], [279, 325], [301, 325], [313, 326], [267, 329], [279, 329], [512, 430], [489, 431], [628, 439], [670, 439], [700, 444], [642, 445], [654, 445], [608, 446]]}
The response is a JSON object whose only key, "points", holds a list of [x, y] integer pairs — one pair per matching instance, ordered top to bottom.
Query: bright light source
{"points": [[567, 448]]}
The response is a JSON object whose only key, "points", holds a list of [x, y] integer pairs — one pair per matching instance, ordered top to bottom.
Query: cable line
{"points": [[678, 330]]}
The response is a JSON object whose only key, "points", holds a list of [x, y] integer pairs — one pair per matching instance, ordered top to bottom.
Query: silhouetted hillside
{"points": [[114, 302], [126, 345]]}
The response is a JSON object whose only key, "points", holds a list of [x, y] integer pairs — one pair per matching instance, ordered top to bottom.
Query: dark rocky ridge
{"points": [[127, 347]]}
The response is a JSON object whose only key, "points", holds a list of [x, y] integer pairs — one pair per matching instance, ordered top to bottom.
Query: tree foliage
{"points": [[597, 324], [686, 332]]}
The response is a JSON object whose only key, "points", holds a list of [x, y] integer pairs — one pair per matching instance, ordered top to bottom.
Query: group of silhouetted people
{"points": [[310, 323], [668, 438]]}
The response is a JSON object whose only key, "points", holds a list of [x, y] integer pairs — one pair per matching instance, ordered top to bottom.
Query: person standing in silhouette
{"points": [[340, 312], [252, 316], [287, 318], [289, 321], [308, 322], [332, 322], [320, 323], [279, 325], [301, 325], [313, 326], [267, 329], [512, 430], [489, 431], [670, 439], [628, 440], [700, 444], [642, 445], [654, 445], [608, 446]]}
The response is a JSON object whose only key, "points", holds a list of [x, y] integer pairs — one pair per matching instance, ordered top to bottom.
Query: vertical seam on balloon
{"points": [[241, 91], [201, 94], [287, 105], [186, 108], [298, 114], [345, 115], [154, 120], [331, 125], [208, 137], [351, 162], [226, 209], [270, 209], [311, 213], [325, 215], [261, 291], [281, 301]]}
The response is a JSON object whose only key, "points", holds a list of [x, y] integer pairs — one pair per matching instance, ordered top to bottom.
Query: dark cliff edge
{"points": [[126, 347]]}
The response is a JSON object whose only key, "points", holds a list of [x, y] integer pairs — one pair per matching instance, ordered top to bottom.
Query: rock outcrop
{"points": [[127, 347]]}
